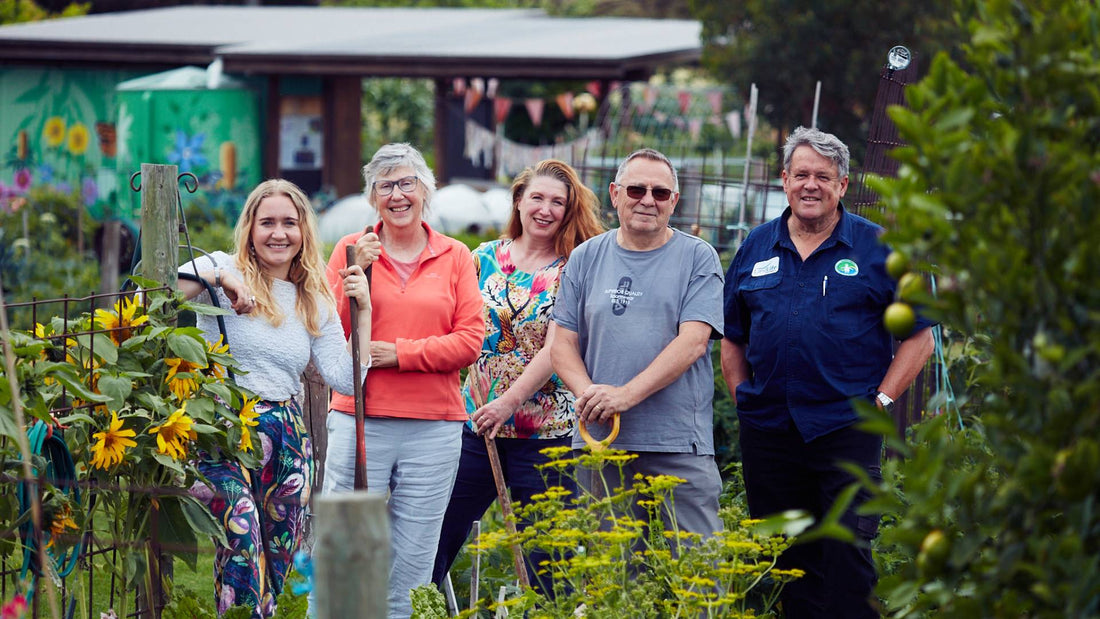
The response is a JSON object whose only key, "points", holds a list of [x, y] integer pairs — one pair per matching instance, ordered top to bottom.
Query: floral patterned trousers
{"points": [[263, 511]]}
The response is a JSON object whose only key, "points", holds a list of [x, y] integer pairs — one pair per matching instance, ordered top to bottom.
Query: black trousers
{"points": [[784, 472], [474, 491]]}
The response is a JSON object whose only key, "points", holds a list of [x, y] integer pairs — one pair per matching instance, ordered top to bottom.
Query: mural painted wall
{"points": [[58, 131], [70, 131]]}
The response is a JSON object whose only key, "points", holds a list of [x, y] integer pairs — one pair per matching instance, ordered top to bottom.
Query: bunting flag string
{"points": [[688, 109], [514, 157]]}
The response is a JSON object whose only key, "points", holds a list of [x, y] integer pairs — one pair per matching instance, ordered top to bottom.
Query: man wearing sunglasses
{"points": [[636, 313]]}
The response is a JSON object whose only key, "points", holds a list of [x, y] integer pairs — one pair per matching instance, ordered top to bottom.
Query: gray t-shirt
{"points": [[626, 307]]}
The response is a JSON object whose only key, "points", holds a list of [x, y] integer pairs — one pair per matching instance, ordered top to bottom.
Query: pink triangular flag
{"points": [[459, 86], [491, 87], [593, 88], [649, 96], [473, 97], [715, 98], [685, 101], [565, 102], [501, 107], [534, 109], [695, 125]]}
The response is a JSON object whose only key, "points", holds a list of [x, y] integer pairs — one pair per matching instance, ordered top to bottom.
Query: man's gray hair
{"points": [[825, 144], [398, 155], [653, 155]]}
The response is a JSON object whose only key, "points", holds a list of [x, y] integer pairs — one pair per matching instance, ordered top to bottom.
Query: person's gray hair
{"points": [[825, 144], [398, 155], [652, 155]]}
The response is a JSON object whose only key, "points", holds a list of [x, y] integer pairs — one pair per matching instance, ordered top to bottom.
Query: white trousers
{"points": [[415, 461]]}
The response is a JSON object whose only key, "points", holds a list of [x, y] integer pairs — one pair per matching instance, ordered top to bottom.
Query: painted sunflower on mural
{"points": [[53, 132], [78, 138], [174, 434], [111, 444]]}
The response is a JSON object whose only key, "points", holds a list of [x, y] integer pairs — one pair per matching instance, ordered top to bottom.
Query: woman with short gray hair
{"points": [[426, 326]]}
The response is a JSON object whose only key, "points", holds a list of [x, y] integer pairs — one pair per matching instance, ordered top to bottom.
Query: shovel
{"points": [[360, 410]]}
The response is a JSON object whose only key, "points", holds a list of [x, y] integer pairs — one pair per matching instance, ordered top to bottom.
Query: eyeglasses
{"points": [[406, 185], [637, 192]]}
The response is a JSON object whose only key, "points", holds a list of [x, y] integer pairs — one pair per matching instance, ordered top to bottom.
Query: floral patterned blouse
{"points": [[517, 313]]}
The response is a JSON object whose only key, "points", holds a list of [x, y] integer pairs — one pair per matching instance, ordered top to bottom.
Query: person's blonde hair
{"points": [[581, 221], [307, 269]]}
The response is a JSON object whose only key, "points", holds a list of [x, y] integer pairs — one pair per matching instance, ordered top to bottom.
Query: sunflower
{"points": [[54, 131], [78, 139], [121, 321], [217, 370], [182, 387], [248, 417], [172, 435], [110, 445], [61, 522]]}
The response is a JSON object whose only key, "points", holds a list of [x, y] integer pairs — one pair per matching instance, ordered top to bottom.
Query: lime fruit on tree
{"points": [[897, 264], [910, 287], [899, 319], [933, 554]]}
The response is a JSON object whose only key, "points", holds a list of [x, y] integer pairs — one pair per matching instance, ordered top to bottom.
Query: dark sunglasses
{"points": [[637, 192]]}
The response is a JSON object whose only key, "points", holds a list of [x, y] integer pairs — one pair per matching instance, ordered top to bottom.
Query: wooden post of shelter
{"points": [[159, 223], [351, 555]]}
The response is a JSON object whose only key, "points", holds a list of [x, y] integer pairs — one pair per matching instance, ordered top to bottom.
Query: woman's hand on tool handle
{"points": [[367, 249], [355, 287], [490, 417]]}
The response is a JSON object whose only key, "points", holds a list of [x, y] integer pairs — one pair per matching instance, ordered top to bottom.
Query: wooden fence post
{"points": [[160, 235], [351, 555]]}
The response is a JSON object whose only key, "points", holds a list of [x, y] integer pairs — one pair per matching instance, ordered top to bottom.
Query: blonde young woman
{"points": [[285, 316]]}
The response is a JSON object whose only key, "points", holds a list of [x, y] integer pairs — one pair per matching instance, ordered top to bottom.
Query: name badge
{"points": [[765, 267]]}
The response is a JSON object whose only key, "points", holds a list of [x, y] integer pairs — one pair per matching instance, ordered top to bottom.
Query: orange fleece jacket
{"points": [[435, 320]]}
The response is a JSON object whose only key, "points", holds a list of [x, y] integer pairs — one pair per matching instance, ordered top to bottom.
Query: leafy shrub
{"points": [[997, 195]]}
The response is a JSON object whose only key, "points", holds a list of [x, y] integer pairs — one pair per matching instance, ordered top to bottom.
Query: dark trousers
{"points": [[784, 472], [474, 491]]}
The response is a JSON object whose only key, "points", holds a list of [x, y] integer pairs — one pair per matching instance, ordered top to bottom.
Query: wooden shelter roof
{"points": [[406, 42]]}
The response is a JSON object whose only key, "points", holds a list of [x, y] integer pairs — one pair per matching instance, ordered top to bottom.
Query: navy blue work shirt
{"points": [[812, 331]]}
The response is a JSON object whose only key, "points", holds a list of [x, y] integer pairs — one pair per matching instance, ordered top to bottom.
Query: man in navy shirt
{"points": [[804, 336]]}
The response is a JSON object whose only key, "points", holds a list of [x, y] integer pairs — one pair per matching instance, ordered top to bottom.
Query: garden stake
{"points": [[498, 478], [360, 482]]}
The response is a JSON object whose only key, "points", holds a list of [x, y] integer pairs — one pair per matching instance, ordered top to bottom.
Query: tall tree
{"points": [[786, 46]]}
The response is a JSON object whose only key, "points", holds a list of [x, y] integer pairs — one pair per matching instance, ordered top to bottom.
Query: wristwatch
{"points": [[886, 401]]}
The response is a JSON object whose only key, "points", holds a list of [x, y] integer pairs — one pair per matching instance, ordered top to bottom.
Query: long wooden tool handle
{"points": [[360, 411], [503, 496]]}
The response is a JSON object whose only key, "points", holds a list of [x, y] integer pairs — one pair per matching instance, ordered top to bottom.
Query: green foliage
{"points": [[17, 11], [786, 47], [398, 110], [997, 195], [39, 255], [613, 565], [428, 603]]}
